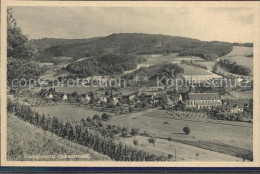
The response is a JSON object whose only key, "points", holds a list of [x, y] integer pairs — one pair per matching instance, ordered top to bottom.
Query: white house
{"points": [[50, 96], [65, 97], [131, 97], [88, 98], [102, 99], [115, 101]]}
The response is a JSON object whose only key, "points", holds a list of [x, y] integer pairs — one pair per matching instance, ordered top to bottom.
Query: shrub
{"points": [[106, 116], [96, 117], [186, 130], [134, 132], [152, 140], [135, 141]]}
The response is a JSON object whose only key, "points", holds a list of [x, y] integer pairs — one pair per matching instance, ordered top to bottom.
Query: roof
{"points": [[185, 96], [204, 96]]}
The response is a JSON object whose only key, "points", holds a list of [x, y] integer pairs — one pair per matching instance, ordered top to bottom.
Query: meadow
{"points": [[240, 55], [242, 94], [67, 112], [220, 136]]}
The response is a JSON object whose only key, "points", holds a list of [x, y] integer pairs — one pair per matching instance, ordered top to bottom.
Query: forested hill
{"points": [[136, 43], [107, 64]]}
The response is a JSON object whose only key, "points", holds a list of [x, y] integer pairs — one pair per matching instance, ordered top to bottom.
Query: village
{"points": [[128, 96]]}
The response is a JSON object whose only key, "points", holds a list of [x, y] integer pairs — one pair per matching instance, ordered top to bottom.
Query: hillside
{"points": [[134, 43], [35, 141]]}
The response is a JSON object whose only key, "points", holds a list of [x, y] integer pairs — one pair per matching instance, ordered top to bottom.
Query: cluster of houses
{"points": [[112, 99], [191, 100]]}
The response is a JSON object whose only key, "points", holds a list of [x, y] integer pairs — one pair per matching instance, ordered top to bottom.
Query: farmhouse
{"points": [[201, 100]]}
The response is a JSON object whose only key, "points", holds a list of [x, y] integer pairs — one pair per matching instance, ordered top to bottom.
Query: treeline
{"points": [[243, 44], [209, 51], [194, 64], [104, 65], [233, 67], [81, 134]]}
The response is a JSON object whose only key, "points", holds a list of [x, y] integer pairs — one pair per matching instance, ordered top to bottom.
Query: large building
{"points": [[201, 100]]}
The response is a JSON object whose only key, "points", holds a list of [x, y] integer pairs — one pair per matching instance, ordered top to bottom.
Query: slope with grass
{"points": [[26, 142]]}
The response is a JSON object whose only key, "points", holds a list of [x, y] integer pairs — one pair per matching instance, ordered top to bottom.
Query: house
{"points": [[50, 96], [65, 97], [131, 97], [87, 98], [102, 99], [201, 100], [114, 101], [236, 108]]}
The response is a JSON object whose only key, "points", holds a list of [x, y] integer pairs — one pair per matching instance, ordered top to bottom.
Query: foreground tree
{"points": [[18, 45], [20, 53]]}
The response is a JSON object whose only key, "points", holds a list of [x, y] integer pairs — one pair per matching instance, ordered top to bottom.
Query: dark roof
{"points": [[184, 96], [204, 96]]}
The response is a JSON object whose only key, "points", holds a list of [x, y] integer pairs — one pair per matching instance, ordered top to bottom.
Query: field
{"points": [[239, 50], [239, 54], [172, 58], [242, 60], [191, 70], [197, 73], [242, 94], [67, 112], [220, 136], [35, 144], [183, 151]]}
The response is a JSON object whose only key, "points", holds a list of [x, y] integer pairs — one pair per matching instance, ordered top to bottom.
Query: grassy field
{"points": [[239, 50], [239, 54], [172, 58], [242, 60], [191, 70], [242, 94], [67, 112], [220, 133], [26, 142]]}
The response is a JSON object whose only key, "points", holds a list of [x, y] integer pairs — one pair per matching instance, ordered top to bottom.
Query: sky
{"points": [[221, 24]]}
